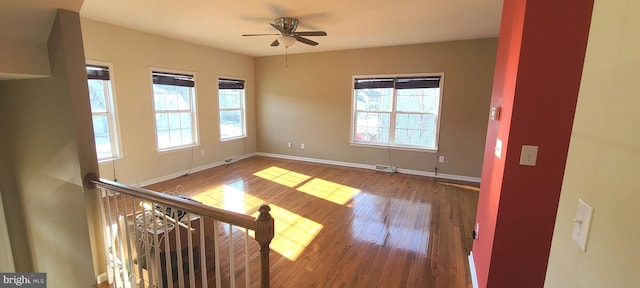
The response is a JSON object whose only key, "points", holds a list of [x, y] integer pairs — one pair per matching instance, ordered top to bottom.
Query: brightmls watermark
{"points": [[23, 280]]}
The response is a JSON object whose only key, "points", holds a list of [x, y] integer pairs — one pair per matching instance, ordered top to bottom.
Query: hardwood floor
{"points": [[347, 227]]}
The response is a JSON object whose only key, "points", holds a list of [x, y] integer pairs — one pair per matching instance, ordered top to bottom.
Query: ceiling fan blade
{"points": [[277, 28], [311, 33], [260, 34], [305, 40], [275, 43]]}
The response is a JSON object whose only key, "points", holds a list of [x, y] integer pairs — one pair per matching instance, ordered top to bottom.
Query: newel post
{"points": [[264, 234]]}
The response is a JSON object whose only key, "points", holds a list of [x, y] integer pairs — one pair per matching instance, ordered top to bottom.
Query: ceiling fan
{"points": [[288, 35]]}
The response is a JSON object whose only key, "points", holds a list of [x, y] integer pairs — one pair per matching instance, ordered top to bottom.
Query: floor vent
{"points": [[228, 160], [386, 168]]}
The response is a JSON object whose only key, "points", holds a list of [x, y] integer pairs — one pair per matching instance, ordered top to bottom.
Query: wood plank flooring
{"points": [[347, 227]]}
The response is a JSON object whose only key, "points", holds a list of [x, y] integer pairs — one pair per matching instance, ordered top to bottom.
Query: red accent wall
{"points": [[537, 77]]}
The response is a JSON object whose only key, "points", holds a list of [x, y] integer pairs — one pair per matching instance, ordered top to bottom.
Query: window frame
{"points": [[242, 109], [193, 110], [111, 114], [392, 114]]}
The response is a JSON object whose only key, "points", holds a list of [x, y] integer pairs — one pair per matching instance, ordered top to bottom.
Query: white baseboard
{"points": [[307, 159], [315, 160], [372, 167], [472, 270], [102, 278]]}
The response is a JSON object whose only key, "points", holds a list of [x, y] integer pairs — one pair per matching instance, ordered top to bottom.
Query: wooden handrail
{"points": [[233, 218]]}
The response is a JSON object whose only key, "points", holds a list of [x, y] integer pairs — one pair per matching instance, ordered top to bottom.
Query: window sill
{"points": [[233, 138], [177, 149], [108, 160]]}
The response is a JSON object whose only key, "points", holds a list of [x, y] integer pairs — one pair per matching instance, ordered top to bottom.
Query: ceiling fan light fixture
{"points": [[286, 40]]}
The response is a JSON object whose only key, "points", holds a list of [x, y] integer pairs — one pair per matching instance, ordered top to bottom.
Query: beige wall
{"points": [[132, 53], [21, 58], [310, 102], [45, 123], [604, 158], [11, 197]]}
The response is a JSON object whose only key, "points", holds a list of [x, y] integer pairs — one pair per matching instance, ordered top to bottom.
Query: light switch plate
{"points": [[498, 150], [529, 155], [582, 224]]}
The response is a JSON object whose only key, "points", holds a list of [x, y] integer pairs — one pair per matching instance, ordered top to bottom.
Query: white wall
{"points": [[132, 53], [604, 158]]}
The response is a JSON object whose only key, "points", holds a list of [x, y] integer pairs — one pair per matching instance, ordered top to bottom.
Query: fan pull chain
{"points": [[286, 57]]}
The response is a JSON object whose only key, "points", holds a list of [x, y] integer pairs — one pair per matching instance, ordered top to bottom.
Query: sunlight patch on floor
{"points": [[282, 176], [330, 191], [230, 197], [293, 232]]}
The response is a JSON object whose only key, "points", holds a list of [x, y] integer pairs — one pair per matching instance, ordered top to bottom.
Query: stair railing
{"points": [[153, 239]]}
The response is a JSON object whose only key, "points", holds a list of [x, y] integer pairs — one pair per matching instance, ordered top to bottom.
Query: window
{"points": [[231, 106], [102, 110], [175, 110], [396, 111]]}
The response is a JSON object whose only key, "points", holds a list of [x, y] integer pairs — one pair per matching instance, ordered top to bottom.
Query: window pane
{"points": [[97, 96], [167, 97], [184, 97], [171, 99], [230, 99], [378, 99], [418, 100], [159, 101], [185, 120], [174, 121], [162, 122], [416, 122], [230, 123], [372, 127], [174, 129], [415, 130], [102, 136], [187, 136], [175, 137], [163, 139]]}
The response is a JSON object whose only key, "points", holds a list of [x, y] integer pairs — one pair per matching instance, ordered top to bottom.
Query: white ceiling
{"points": [[349, 23]]}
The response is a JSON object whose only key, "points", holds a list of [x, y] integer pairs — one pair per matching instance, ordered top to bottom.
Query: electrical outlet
{"points": [[289, 145], [302, 146], [201, 152], [528, 155], [441, 159]]}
